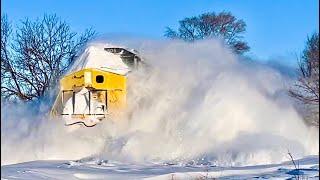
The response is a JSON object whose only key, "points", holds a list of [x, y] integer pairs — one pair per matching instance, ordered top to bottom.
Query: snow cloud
{"points": [[194, 103]]}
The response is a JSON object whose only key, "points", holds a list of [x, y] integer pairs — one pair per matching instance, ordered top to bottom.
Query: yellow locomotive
{"points": [[95, 87]]}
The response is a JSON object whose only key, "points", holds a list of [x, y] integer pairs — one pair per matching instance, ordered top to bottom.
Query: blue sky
{"points": [[275, 29]]}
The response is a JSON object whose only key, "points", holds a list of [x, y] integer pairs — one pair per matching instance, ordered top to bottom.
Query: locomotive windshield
{"points": [[129, 58]]}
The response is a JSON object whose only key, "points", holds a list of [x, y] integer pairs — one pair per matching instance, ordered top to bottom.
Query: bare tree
{"points": [[224, 25], [38, 55], [8, 73], [306, 88]]}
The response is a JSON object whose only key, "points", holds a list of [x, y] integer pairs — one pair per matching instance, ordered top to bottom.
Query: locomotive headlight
{"points": [[87, 78]]}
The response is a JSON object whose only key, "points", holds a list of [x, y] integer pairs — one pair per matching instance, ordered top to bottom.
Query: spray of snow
{"points": [[195, 103]]}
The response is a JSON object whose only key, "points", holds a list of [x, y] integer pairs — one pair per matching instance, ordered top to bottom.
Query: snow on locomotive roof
{"points": [[106, 57]]}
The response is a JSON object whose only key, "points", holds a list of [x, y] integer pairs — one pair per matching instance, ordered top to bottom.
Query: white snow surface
{"points": [[94, 56], [91, 168]]}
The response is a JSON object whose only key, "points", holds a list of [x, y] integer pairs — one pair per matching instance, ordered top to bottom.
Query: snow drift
{"points": [[196, 103]]}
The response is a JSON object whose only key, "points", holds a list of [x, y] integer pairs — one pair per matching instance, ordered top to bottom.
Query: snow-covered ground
{"points": [[103, 169]]}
